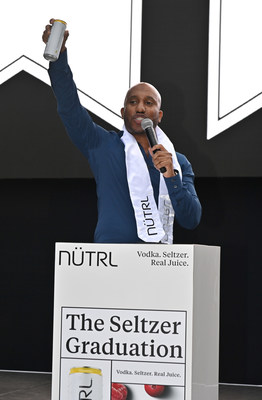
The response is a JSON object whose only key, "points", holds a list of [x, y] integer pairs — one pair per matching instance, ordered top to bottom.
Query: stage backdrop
{"points": [[48, 193]]}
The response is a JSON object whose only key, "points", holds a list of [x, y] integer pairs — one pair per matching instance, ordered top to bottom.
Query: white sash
{"points": [[153, 225]]}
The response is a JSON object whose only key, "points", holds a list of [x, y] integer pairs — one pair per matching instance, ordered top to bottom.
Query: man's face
{"points": [[142, 101]]}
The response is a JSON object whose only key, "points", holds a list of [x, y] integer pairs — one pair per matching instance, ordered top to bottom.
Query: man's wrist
{"points": [[171, 174]]}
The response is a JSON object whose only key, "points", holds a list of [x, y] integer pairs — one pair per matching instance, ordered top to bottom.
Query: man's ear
{"points": [[122, 112], [160, 116]]}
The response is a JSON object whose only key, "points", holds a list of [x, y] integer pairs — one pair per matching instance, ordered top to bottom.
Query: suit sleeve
{"points": [[80, 127], [183, 196]]}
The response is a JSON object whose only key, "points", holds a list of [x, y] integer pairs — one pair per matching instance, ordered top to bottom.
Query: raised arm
{"points": [[78, 123]]}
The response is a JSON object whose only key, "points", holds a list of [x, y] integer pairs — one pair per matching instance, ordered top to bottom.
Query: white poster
{"points": [[143, 350]]}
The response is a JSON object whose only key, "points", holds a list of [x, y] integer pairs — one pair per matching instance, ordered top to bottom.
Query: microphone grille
{"points": [[147, 123]]}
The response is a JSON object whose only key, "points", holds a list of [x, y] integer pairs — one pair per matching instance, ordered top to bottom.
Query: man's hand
{"points": [[47, 32], [162, 158]]}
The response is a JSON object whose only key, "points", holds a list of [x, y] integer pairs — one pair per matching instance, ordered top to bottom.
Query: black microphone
{"points": [[147, 125]]}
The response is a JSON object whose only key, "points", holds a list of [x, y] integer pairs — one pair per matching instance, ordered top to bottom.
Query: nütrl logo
{"points": [[83, 257]]}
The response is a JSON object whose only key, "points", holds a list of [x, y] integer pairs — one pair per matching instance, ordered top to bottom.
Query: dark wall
{"points": [[38, 207], [34, 214]]}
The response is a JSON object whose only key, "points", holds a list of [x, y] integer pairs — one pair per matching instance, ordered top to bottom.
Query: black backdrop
{"points": [[48, 194]]}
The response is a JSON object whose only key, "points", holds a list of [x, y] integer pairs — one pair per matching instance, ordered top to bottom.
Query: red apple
{"points": [[154, 390], [118, 391]]}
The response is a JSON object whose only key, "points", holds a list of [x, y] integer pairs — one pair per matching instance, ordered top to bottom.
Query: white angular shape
{"points": [[104, 47], [235, 62]]}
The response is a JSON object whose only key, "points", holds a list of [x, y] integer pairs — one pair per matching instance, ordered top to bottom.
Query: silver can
{"points": [[55, 40], [85, 383]]}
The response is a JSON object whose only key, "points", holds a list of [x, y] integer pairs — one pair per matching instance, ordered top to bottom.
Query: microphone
{"points": [[147, 125]]}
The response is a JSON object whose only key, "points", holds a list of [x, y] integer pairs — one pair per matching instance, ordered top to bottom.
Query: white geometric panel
{"points": [[104, 47], [235, 62]]}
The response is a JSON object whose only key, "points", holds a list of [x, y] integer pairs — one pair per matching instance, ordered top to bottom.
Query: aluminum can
{"points": [[55, 40], [85, 383]]}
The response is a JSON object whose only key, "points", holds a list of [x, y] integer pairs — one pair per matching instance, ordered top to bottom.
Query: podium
{"points": [[145, 316]]}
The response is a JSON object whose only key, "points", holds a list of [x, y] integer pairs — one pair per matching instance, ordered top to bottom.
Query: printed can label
{"points": [[54, 44]]}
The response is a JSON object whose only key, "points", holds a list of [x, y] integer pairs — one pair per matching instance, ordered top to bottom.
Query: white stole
{"points": [[154, 224]]}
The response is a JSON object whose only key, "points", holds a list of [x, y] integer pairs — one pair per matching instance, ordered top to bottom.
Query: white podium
{"points": [[142, 314]]}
